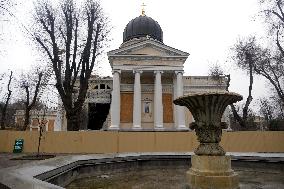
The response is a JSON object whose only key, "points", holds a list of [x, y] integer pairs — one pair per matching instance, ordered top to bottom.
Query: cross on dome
{"points": [[143, 9]]}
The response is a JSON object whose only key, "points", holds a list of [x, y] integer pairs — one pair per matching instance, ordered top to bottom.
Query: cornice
{"points": [[150, 43]]}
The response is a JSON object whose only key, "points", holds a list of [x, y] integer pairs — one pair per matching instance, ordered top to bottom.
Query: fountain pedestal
{"points": [[211, 168], [212, 172]]}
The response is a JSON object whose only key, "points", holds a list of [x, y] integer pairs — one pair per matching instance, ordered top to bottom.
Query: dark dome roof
{"points": [[142, 26]]}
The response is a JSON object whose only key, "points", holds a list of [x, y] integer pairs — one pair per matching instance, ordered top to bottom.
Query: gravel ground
{"points": [[5, 159]]}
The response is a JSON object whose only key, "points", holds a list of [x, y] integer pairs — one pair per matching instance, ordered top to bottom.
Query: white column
{"points": [[115, 101], [137, 101], [158, 103], [175, 106], [180, 109]]}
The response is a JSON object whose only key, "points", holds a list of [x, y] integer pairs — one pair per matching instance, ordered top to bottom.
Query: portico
{"points": [[147, 90]]}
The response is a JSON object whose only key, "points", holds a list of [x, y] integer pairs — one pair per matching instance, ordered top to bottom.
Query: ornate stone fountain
{"points": [[211, 168]]}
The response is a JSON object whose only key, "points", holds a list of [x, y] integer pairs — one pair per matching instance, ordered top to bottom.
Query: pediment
{"points": [[148, 48]]}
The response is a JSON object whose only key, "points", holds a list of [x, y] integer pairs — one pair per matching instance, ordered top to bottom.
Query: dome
{"points": [[143, 26]]}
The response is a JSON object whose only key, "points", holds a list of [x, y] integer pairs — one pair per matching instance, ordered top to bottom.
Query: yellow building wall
{"points": [[117, 142]]}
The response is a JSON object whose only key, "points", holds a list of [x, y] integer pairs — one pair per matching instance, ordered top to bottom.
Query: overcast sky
{"points": [[205, 29]]}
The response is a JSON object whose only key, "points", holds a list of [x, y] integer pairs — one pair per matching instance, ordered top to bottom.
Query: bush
{"points": [[276, 125]]}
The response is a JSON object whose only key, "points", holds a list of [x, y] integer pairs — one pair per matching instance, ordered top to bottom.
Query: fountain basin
{"points": [[256, 170]]}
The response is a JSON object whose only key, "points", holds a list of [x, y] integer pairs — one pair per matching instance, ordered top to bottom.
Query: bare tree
{"points": [[5, 7], [72, 38], [244, 56], [264, 62], [267, 62], [272, 68], [216, 72], [31, 89], [278, 106], [3, 107], [270, 108], [266, 109], [273, 113], [41, 121]]}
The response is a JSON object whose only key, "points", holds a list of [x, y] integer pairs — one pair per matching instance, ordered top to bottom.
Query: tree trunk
{"points": [[249, 98], [4, 109], [235, 113], [3, 117], [238, 118], [27, 119], [244, 119], [73, 121], [39, 139]]}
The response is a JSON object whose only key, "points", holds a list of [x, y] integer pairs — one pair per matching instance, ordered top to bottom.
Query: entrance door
{"points": [[97, 115]]}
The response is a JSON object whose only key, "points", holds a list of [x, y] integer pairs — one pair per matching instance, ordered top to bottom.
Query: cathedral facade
{"points": [[147, 76]]}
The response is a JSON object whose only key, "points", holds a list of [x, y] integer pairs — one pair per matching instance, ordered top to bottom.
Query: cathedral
{"points": [[147, 76]]}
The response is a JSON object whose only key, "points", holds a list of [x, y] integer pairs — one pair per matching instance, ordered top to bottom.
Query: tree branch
{"points": [[280, 9], [278, 15], [278, 43], [95, 46], [75, 47], [45, 48], [38, 84], [4, 109]]}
